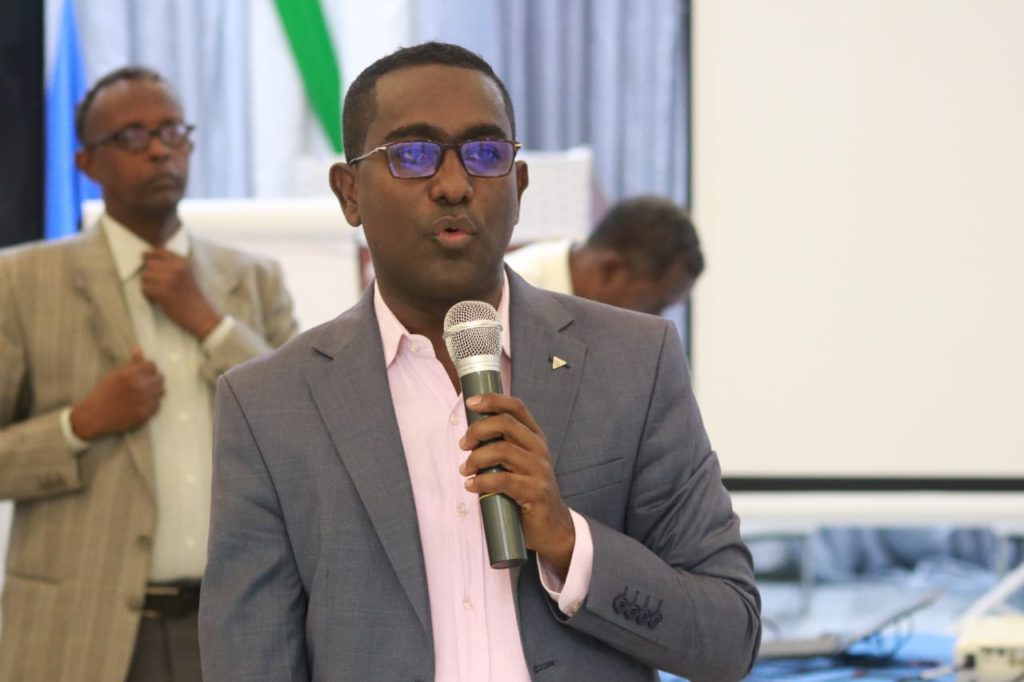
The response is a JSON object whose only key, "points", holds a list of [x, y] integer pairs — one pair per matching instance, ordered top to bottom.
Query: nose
{"points": [[157, 148], [451, 184]]}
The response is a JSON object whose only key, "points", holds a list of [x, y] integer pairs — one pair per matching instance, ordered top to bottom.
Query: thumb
{"points": [[137, 354]]}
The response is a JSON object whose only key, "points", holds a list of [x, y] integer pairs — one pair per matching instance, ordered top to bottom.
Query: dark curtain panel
{"points": [[21, 121]]}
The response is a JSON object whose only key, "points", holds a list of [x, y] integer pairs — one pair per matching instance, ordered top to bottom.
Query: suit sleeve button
{"points": [[50, 481], [655, 620]]}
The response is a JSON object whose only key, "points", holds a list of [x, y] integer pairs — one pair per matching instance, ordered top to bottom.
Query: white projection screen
{"points": [[858, 182]]}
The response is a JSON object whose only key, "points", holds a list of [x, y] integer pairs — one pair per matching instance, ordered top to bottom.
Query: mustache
{"points": [[161, 178]]}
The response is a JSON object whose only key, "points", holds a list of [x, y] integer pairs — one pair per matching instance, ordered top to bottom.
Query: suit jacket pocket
{"points": [[592, 478], [29, 609]]}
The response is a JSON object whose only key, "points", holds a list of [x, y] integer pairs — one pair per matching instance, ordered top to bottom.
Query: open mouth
{"points": [[454, 232]]}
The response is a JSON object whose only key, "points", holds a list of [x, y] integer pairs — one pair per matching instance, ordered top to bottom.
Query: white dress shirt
{"points": [[544, 264], [181, 430], [472, 606]]}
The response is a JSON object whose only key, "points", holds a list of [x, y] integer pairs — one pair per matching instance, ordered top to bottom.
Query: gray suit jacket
{"points": [[80, 548], [315, 565]]}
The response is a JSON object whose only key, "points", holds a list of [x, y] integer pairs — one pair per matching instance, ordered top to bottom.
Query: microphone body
{"points": [[479, 374]]}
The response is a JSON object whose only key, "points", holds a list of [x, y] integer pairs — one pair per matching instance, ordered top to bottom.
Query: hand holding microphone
{"points": [[509, 465]]}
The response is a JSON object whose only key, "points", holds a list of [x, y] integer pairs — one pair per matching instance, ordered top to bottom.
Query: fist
{"points": [[168, 281], [123, 399]]}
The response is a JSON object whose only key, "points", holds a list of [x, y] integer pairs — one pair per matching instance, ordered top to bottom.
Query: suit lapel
{"points": [[95, 279], [218, 283], [539, 346], [354, 400]]}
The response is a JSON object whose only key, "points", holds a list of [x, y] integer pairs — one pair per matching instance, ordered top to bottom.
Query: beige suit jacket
{"points": [[80, 544]]}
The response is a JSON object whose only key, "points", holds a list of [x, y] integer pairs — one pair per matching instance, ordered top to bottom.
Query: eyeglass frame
{"points": [[152, 132], [445, 146]]}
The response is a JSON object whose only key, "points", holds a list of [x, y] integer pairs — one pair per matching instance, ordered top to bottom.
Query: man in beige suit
{"points": [[109, 344]]}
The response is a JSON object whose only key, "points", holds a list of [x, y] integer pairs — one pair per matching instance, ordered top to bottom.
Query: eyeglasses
{"points": [[136, 138], [421, 159]]}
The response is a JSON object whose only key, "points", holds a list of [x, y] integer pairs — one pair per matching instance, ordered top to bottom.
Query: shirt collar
{"points": [[127, 247], [392, 331]]}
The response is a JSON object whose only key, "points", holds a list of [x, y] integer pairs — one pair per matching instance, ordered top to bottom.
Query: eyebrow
{"points": [[141, 124], [430, 132]]}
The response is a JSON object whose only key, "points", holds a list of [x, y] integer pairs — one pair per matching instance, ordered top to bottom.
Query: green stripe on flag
{"points": [[311, 43]]}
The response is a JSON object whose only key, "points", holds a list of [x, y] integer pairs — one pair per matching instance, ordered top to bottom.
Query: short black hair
{"points": [[125, 73], [360, 100], [652, 233]]}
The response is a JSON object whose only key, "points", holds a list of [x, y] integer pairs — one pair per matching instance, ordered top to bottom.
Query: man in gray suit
{"points": [[109, 346], [346, 540]]}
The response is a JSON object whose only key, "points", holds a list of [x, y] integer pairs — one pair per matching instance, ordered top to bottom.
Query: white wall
{"points": [[857, 183]]}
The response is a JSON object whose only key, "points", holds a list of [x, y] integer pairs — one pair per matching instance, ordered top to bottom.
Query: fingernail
{"points": [[473, 401], [462, 443], [469, 483]]}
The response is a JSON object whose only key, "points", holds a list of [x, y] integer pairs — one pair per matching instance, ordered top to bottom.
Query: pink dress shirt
{"points": [[472, 606]]}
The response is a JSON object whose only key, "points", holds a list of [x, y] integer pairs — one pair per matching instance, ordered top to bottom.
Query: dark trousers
{"points": [[167, 646]]}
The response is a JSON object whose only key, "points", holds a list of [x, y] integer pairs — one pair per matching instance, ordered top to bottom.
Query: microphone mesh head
{"points": [[472, 328]]}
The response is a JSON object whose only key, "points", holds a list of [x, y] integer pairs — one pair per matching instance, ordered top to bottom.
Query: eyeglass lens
{"points": [[137, 137], [420, 159]]}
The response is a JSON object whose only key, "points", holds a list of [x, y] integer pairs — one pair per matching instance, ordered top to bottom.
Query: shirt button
{"points": [[454, 418], [190, 479], [462, 509], [190, 542], [467, 603], [574, 608]]}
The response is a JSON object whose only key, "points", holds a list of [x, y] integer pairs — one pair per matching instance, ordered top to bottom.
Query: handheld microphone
{"points": [[472, 334]]}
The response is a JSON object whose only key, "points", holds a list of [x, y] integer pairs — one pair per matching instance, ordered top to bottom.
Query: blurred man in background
{"points": [[644, 255], [109, 344]]}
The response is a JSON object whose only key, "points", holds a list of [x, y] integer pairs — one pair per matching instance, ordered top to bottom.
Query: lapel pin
{"points": [[558, 363]]}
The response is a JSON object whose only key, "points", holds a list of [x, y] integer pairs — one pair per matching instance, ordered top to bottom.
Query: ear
{"points": [[84, 161], [522, 178], [343, 184], [613, 268]]}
